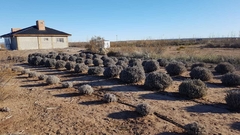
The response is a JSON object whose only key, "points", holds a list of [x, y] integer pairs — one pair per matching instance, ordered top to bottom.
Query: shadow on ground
{"points": [[35, 85], [126, 88], [66, 95], [159, 96], [97, 102], [201, 108], [124, 115], [236, 126], [171, 133]]}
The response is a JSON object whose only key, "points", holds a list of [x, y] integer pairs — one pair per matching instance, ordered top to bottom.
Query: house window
{"points": [[45, 39], [60, 39]]}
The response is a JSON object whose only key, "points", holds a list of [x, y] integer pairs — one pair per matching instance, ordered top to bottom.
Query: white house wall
{"points": [[45, 42], [26, 43], [57, 44]]}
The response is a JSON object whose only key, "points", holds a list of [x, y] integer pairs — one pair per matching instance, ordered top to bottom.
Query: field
{"points": [[30, 106]]}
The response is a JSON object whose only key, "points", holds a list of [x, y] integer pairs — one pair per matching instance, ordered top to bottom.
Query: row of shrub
{"points": [[133, 71], [143, 109]]}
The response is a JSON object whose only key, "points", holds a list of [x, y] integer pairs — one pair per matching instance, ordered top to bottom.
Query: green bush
{"points": [[150, 66], [176, 68], [224, 68], [201, 73], [132, 75], [230, 79], [158, 81], [193, 88], [86, 89], [109, 98], [233, 99], [144, 109], [195, 129]]}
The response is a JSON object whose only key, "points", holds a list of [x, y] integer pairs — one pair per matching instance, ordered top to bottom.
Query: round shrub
{"points": [[52, 55], [76, 55], [83, 55], [89, 56], [96, 56], [59, 57], [65, 57], [104, 57], [72, 58], [30, 59], [114, 59], [123, 59], [37, 60], [80, 60], [43, 61], [88, 62], [97, 62], [108, 62], [135, 62], [162, 62], [50, 63], [122, 63], [60, 64], [200, 64], [70, 65], [151, 66], [81, 68], [175, 68], [224, 68], [95, 70], [25, 71], [112, 71], [201, 73], [33, 74], [132, 75], [42, 77], [52, 79], [230, 79], [158, 81], [67, 84], [193, 88], [85, 89], [109, 98], [233, 99], [144, 109], [195, 129]]}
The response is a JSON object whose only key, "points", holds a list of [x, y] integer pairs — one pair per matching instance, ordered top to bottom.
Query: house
{"points": [[35, 37]]}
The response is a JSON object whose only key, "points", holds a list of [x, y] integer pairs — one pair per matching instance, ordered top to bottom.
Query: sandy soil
{"points": [[37, 108]]}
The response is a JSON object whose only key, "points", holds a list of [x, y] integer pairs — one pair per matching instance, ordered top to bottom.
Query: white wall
{"points": [[45, 42], [26, 43], [58, 44], [106, 44]]}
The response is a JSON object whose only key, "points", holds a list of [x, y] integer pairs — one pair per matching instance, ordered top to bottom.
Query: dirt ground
{"points": [[37, 108]]}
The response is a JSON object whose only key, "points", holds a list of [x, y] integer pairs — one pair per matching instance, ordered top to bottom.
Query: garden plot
{"points": [[38, 107]]}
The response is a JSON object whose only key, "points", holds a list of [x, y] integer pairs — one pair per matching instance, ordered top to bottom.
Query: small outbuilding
{"points": [[35, 37], [106, 44]]}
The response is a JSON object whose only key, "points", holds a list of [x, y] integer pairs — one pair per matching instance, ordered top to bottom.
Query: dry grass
{"points": [[191, 53], [5, 76]]}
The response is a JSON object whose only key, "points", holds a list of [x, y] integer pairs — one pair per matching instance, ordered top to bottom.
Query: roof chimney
{"points": [[40, 25], [15, 29]]}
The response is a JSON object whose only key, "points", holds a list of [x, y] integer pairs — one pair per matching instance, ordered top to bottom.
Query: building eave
{"points": [[39, 35]]}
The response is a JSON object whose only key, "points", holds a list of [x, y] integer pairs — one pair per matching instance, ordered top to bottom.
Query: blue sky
{"points": [[126, 19]]}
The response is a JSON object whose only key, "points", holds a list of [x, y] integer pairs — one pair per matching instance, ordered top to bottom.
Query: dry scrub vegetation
{"points": [[147, 88]]}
